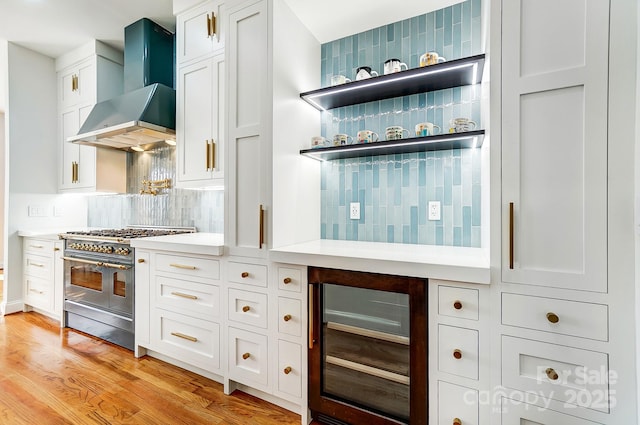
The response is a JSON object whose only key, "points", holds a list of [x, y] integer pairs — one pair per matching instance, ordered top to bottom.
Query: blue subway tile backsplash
{"points": [[394, 190]]}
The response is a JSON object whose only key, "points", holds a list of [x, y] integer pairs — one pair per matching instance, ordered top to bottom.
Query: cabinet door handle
{"points": [[212, 25], [208, 26], [213, 154], [208, 155], [261, 227], [511, 235], [36, 246], [56, 249], [140, 260], [37, 264], [182, 266], [244, 275], [286, 280], [36, 291], [182, 295], [457, 305], [246, 308], [312, 309], [286, 317], [552, 317], [183, 336], [457, 354], [245, 356], [287, 370], [551, 374], [457, 421]]}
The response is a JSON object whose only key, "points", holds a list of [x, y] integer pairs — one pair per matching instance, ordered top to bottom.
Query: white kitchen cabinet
{"points": [[197, 35], [87, 75], [200, 123], [554, 150], [43, 275]]}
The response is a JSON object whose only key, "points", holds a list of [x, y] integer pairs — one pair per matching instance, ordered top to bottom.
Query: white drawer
{"points": [[38, 246], [38, 266], [188, 266], [247, 274], [289, 279], [38, 292], [190, 298], [458, 302], [248, 307], [289, 316], [573, 318], [191, 340], [458, 351], [248, 357], [290, 368], [566, 374], [456, 402], [516, 412]]}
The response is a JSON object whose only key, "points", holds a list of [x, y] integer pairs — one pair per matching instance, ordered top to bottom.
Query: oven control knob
{"points": [[108, 249]]}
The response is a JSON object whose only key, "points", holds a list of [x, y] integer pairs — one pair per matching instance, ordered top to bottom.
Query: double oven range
{"points": [[99, 280]]}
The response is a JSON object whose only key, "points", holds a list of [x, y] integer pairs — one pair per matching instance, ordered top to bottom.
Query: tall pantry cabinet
{"points": [[557, 346]]}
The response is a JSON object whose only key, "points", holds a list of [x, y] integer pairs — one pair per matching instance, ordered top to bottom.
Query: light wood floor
{"points": [[54, 376]]}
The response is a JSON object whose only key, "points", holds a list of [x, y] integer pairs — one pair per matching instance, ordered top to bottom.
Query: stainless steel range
{"points": [[99, 280]]}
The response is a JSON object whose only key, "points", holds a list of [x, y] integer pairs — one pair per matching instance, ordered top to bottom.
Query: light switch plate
{"points": [[434, 210], [354, 211]]}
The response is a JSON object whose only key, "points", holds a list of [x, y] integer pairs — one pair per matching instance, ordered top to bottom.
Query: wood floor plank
{"points": [[57, 376]]}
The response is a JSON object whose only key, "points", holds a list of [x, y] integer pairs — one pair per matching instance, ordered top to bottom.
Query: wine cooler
{"points": [[367, 348]]}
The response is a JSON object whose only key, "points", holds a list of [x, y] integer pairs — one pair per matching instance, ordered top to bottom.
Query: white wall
{"points": [[3, 75]]}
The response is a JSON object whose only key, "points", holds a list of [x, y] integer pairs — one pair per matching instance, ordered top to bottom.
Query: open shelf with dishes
{"points": [[454, 73], [463, 140]]}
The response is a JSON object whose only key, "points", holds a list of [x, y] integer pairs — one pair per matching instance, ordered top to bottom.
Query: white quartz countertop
{"points": [[43, 233], [191, 243], [436, 262]]}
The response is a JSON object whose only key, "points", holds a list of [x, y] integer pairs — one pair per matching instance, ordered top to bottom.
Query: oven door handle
{"points": [[98, 263]]}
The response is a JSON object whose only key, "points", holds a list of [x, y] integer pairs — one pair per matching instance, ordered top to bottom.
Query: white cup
{"points": [[431, 58], [393, 65], [364, 72], [339, 79], [461, 124], [427, 129], [395, 132], [367, 136], [342, 139], [319, 141]]}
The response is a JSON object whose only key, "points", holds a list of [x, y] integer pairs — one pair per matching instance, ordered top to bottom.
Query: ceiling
{"points": [[53, 27]]}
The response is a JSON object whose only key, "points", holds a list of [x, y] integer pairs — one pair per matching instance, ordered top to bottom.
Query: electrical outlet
{"points": [[434, 210], [37, 211], [354, 211]]}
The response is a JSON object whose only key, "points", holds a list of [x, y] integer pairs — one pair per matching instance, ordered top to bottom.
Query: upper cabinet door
{"points": [[200, 32], [78, 84], [554, 143]]}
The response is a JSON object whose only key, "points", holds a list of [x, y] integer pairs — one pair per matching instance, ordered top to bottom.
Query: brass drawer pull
{"points": [[208, 26], [208, 154], [213, 154], [511, 226], [261, 236], [36, 246], [140, 260], [36, 264], [182, 266], [244, 275], [286, 280], [36, 291], [181, 295], [457, 305], [246, 308], [286, 317], [552, 317], [183, 336], [457, 354], [245, 356], [287, 370], [551, 374], [457, 421]]}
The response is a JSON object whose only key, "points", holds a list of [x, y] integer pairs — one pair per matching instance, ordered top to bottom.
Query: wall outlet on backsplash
{"points": [[434, 210], [354, 211]]}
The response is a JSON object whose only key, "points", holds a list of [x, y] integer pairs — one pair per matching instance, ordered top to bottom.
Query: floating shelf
{"points": [[455, 73], [468, 139]]}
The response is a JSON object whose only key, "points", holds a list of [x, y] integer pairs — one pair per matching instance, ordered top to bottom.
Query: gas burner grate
{"points": [[131, 233]]}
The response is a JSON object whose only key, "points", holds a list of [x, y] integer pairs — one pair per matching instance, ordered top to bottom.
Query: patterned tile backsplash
{"points": [[394, 190], [203, 209]]}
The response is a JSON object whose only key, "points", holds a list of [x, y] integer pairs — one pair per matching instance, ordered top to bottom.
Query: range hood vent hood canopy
{"points": [[146, 112]]}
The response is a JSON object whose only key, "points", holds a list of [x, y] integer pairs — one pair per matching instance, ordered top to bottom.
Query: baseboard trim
{"points": [[12, 307]]}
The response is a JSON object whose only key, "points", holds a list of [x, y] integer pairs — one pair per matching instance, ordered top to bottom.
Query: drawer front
{"points": [[38, 246], [38, 266], [188, 266], [248, 274], [289, 279], [38, 292], [190, 298], [458, 302], [247, 307], [289, 316], [573, 318], [187, 339], [458, 351], [248, 357], [290, 368], [569, 375], [457, 402], [515, 412]]}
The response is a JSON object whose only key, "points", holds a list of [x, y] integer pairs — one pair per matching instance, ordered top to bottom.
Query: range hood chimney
{"points": [[146, 112]]}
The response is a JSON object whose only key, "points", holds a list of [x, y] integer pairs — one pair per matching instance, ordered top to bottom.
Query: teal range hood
{"points": [[146, 112], [135, 119]]}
